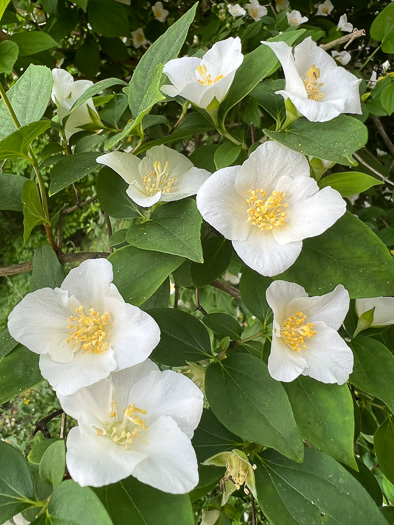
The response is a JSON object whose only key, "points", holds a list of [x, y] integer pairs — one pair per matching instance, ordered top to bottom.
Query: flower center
{"points": [[254, 12], [206, 79], [312, 85], [158, 179], [266, 213], [294, 330], [87, 331], [124, 432]]}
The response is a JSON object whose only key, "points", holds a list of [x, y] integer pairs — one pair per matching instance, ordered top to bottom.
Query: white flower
{"points": [[282, 5], [325, 8], [236, 10], [255, 10], [159, 13], [295, 18], [344, 25], [138, 38], [343, 57], [386, 66], [200, 80], [319, 88], [65, 93], [163, 175], [267, 206], [383, 314], [83, 330], [305, 338], [136, 422], [18, 519]]}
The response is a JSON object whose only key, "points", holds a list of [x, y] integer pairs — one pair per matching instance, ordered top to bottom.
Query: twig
{"points": [[357, 33], [252, 133], [383, 134], [362, 161], [79, 206], [109, 228], [221, 285], [198, 305], [42, 424], [63, 427], [254, 514]]}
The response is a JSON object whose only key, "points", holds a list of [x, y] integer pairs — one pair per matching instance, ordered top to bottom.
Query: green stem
{"points": [[370, 56], [9, 107], [213, 113], [254, 336]]}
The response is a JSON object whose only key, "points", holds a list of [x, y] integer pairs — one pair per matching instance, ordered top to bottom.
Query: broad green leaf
{"points": [[80, 3], [3, 5], [108, 18], [383, 23], [32, 42], [160, 52], [8, 55], [87, 58], [97, 88], [265, 94], [151, 95], [29, 97], [387, 98], [335, 140], [18, 143], [226, 154], [72, 168], [349, 183], [11, 187], [111, 192], [33, 214], [173, 228], [217, 253], [349, 253], [47, 270], [139, 273], [253, 287], [160, 299], [223, 325], [183, 338], [7, 343], [373, 370], [18, 372], [245, 398], [324, 415], [383, 441], [38, 450], [53, 463], [208, 478], [368, 480], [16, 483], [318, 491], [130, 501]]}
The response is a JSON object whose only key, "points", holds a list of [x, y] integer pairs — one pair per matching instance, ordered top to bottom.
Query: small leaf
{"points": [[3, 6], [108, 18], [383, 23], [32, 42], [8, 55], [387, 98], [18, 143], [226, 154], [72, 168], [349, 183], [11, 187], [111, 192], [33, 214], [217, 253], [47, 270], [253, 287], [223, 325], [7, 343], [18, 372], [383, 441], [38, 450], [53, 463]]}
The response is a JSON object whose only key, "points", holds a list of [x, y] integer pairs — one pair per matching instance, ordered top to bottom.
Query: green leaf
{"points": [[83, 4], [3, 6], [108, 18], [383, 23], [32, 42], [159, 53], [8, 55], [87, 58], [98, 87], [264, 93], [151, 95], [29, 97], [387, 98], [335, 140], [18, 143], [226, 154], [72, 168], [349, 183], [11, 187], [111, 192], [33, 214], [174, 228], [217, 253], [349, 253], [47, 270], [139, 273], [253, 287], [160, 299], [223, 325], [183, 338], [7, 343], [373, 370], [18, 372], [245, 398], [324, 415], [383, 441], [38, 450], [53, 463], [367, 480], [16, 483], [318, 491], [130, 501]]}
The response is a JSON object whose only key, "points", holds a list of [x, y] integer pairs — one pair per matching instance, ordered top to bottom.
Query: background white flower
{"points": [[281, 5], [325, 8], [236, 10], [255, 10], [159, 12], [295, 18], [344, 25], [138, 38], [343, 57], [200, 80], [319, 88], [65, 93], [162, 175], [267, 206], [383, 314], [83, 330], [305, 338], [136, 422]]}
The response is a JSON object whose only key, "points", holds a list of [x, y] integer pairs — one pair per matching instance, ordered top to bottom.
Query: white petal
{"points": [[308, 53], [224, 57], [182, 71], [340, 84], [62, 85], [218, 90], [316, 111], [76, 120], [177, 163], [125, 165], [186, 184], [141, 199], [222, 207], [279, 294], [384, 309], [284, 364], [123, 380], [172, 464]]}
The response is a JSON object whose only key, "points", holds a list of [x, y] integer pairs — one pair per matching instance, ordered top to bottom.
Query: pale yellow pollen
{"points": [[254, 12], [206, 79], [312, 85], [158, 179], [266, 213], [87, 331], [294, 331], [124, 432], [238, 475]]}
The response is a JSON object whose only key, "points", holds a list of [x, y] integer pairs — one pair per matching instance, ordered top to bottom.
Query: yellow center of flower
{"points": [[254, 12], [206, 79], [312, 85], [158, 179], [266, 213], [88, 330], [294, 330], [124, 432]]}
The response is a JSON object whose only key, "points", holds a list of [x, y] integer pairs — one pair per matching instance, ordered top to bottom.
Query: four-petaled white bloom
{"points": [[281, 5], [325, 8], [236, 10], [255, 10], [159, 12], [295, 18], [344, 25], [138, 38], [343, 57], [200, 80], [319, 88], [65, 93], [163, 175], [267, 206], [383, 314], [83, 330], [304, 336], [137, 422]]}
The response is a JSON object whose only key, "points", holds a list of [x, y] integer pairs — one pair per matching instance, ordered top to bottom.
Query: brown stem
{"points": [[357, 33], [382, 132], [362, 161], [79, 206], [109, 228], [222, 285], [198, 305], [42, 424], [63, 427], [254, 513]]}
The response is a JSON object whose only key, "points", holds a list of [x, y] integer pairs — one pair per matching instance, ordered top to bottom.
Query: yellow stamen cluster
{"points": [[206, 79], [312, 85], [158, 179], [267, 213], [294, 330], [87, 331], [124, 432], [237, 472]]}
